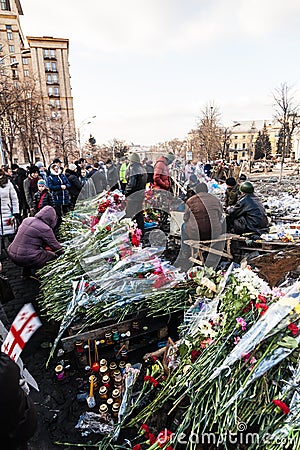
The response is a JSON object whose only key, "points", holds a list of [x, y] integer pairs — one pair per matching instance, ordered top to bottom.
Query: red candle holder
{"points": [[95, 367]]}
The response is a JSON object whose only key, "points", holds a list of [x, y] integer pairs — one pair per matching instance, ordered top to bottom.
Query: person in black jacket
{"points": [[150, 171], [112, 175], [75, 188], [135, 190], [42, 197], [248, 215], [18, 417]]}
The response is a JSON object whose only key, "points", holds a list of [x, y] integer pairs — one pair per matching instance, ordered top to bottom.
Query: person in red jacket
{"points": [[161, 172]]}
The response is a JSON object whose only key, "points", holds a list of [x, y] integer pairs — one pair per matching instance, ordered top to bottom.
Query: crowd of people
{"points": [[33, 202]]}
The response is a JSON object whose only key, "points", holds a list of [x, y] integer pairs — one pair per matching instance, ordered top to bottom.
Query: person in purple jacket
{"points": [[35, 243]]}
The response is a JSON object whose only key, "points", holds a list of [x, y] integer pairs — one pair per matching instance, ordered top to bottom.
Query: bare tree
{"points": [[287, 114], [26, 117], [210, 132], [61, 135]]}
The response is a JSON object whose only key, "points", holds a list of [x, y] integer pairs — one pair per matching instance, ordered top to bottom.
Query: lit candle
{"points": [[59, 371]]}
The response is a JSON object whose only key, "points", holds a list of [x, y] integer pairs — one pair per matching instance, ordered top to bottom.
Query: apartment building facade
{"points": [[46, 60]]}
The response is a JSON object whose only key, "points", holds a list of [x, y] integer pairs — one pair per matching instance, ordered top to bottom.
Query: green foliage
{"points": [[263, 147]]}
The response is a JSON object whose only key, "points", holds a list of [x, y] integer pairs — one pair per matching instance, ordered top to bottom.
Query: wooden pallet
{"points": [[199, 247]]}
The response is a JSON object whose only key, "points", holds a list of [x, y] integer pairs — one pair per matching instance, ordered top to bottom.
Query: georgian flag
{"points": [[23, 327]]}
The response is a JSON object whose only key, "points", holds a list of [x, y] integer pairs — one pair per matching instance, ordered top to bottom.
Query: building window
{"points": [[5, 6], [8, 27], [9, 36], [1, 47], [12, 49], [46, 52], [52, 53], [13, 60], [25, 61], [47, 66], [53, 66], [26, 73], [54, 78], [49, 79], [50, 91], [56, 91], [52, 103], [57, 103], [235, 137], [244, 137], [244, 145], [235, 147], [243, 154]]}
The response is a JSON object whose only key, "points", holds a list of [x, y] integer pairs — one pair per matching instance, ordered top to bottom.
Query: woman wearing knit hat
{"points": [[42, 197]]}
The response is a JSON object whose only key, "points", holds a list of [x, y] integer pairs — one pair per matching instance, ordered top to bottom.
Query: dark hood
{"points": [[47, 215]]}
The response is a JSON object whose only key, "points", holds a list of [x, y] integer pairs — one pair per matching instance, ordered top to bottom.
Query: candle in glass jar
{"points": [[108, 338], [79, 346], [122, 365], [112, 367], [103, 371], [59, 372], [93, 379], [106, 381], [103, 393], [116, 395], [115, 410], [103, 411]]}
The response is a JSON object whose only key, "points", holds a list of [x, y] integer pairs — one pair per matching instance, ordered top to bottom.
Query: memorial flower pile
{"points": [[106, 252], [234, 357]]}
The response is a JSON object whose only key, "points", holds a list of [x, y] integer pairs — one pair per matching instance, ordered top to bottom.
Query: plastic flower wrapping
{"points": [[236, 360]]}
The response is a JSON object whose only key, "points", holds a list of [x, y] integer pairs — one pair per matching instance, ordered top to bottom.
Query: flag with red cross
{"points": [[23, 327]]}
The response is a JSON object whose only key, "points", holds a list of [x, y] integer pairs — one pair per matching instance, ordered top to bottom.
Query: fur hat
{"points": [[170, 157], [134, 158], [39, 164], [33, 169], [231, 181]]}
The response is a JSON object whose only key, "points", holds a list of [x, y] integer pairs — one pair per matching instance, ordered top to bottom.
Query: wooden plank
{"points": [[196, 261], [158, 326], [98, 333]]}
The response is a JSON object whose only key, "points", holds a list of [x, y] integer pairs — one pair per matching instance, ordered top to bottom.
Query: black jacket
{"points": [[150, 173], [137, 179], [99, 180], [74, 182], [46, 197], [248, 215], [18, 418]]}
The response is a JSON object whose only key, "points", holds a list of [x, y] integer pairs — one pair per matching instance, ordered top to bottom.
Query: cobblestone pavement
{"points": [[33, 356]]}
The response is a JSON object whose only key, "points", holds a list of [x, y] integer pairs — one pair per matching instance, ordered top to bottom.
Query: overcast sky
{"points": [[146, 68]]}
